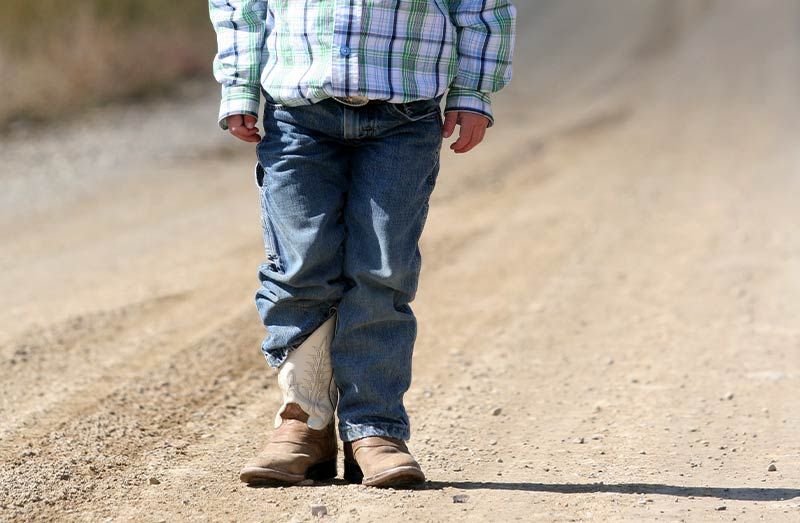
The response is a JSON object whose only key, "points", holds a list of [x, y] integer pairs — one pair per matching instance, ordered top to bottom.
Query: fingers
{"points": [[450, 120], [244, 127], [472, 132], [477, 138], [464, 139]]}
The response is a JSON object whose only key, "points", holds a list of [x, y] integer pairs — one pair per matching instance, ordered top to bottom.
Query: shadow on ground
{"points": [[743, 494]]}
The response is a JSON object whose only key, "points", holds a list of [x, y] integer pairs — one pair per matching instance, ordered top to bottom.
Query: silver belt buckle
{"points": [[352, 101]]}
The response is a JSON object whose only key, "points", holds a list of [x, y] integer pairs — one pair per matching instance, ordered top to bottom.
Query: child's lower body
{"points": [[344, 198]]}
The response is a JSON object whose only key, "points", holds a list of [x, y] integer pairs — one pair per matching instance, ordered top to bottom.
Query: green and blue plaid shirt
{"points": [[304, 51]]}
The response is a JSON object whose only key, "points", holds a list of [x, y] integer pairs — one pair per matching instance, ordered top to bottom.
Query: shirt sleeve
{"points": [[241, 27], [485, 31]]}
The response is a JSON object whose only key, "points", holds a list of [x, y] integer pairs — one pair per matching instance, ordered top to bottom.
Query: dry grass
{"points": [[59, 56]]}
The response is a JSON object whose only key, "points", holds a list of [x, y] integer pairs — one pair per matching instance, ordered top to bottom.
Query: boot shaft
{"points": [[306, 379]]}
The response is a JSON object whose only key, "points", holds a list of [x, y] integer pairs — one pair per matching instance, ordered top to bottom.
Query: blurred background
{"points": [[57, 57], [608, 310]]}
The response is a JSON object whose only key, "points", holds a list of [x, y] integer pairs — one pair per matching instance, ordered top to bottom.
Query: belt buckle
{"points": [[352, 101]]}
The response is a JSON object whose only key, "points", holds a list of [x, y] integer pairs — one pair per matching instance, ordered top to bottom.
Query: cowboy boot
{"points": [[303, 445], [377, 461]]}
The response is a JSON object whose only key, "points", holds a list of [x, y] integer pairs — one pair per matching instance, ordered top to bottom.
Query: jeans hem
{"points": [[352, 432]]}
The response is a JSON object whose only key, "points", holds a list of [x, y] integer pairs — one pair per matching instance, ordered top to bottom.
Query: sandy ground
{"points": [[609, 311]]}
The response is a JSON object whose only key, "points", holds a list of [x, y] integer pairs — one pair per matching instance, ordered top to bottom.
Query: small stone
{"points": [[728, 396], [497, 411], [579, 441], [772, 468], [64, 476], [154, 481], [460, 498], [721, 507], [319, 510]]}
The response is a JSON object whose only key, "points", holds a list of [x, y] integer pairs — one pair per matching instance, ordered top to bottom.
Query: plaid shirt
{"points": [[304, 51]]}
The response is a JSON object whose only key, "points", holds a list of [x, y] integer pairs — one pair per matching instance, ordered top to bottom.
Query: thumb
{"points": [[450, 120], [249, 121]]}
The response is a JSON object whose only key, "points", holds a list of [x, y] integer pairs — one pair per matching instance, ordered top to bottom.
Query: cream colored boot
{"points": [[306, 378], [303, 445]]}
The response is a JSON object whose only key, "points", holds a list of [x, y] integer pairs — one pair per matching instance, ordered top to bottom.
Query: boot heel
{"points": [[322, 470], [352, 472]]}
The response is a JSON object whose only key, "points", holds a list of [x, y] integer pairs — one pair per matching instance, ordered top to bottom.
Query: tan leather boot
{"points": [[303, 445], [294, 453], [377, 461]]}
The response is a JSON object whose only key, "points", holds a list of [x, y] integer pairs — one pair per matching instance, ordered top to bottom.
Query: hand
{"points": [[243, 127], [473, 128]]}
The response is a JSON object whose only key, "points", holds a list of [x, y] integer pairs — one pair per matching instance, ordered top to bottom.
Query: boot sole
{"points": [[321, 471], [404, 476]]}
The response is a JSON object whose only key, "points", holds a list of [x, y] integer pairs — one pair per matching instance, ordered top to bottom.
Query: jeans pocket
{"points": [[418, 110], [258, 171]]}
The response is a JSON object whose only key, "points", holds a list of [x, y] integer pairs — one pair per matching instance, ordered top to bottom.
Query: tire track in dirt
{"points": [[72, 356], [95, 448]]}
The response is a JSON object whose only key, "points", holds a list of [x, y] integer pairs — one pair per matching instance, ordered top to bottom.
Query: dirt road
{"points": [[609, 311]]}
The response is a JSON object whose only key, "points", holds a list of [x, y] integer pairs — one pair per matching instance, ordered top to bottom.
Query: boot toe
{"points": [[255, 475], [401, 476]]}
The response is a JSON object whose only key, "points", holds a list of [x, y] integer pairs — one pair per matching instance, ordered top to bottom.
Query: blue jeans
{"points": [[344, 198]]}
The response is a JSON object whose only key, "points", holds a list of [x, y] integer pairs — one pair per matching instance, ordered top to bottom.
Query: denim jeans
{"points": [[344, 198]]}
